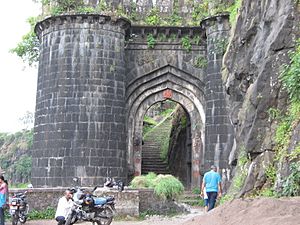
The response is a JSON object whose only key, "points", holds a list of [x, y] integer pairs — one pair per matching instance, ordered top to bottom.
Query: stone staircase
{"points": [[151, 160], [191, 199]]}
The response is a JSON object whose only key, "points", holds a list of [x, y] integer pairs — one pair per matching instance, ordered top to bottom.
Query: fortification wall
{"points": [[79, 118]]}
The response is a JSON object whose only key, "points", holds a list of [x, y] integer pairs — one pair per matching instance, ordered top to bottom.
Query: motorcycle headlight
{"points": [[14, 203]]}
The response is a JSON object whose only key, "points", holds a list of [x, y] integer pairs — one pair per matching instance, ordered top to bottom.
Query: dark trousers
{"points": [[212, 196], [1, 216], [61, 220]]}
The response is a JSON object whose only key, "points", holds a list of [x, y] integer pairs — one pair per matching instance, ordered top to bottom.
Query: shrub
{"points": [[153, 18], [151, 41], [186, 43], [290, 77], [139, 182], [291, 185], [165, 186], [267, 192]]}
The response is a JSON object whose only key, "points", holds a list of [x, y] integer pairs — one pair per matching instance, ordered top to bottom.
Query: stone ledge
{"points": [[80, 18], [128, 202]]}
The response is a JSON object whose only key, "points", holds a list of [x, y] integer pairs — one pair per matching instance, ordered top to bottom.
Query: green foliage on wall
{"points": [[200, 12], [234, 12], [153, 17], [175, 19], [151, 41], [186, 43], [221, 45], [200, 61], [290, 76], [287, 121], [271, 173], [240, 174], [291, 185]]}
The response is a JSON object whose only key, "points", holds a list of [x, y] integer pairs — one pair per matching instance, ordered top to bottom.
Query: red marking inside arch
{"points": [[168, 93]]}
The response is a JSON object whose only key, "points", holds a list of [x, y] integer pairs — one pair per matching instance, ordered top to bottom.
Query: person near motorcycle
{"points": [[3, 197], [65, 204]]}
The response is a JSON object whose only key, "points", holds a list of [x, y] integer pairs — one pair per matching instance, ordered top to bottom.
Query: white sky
{"points": [[17, 80]]}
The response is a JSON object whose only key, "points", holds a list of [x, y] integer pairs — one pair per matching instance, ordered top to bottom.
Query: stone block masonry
{"points": [[97, 78], [80, 106], [218, 130], [130, 202]]}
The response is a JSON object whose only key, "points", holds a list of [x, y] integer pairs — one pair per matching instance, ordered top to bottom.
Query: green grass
{"points": [[165, 186]]}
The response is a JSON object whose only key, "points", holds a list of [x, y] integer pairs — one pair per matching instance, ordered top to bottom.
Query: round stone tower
{"points": [[80, 107]]}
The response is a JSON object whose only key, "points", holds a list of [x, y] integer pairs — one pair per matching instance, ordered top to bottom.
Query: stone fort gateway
{"points": [[97, 78]]}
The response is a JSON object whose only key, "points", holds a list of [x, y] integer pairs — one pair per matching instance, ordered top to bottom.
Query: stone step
{"points": [[150, 149], [155, 154], [151, 157], [151, 161], [157, 163], [156, 171], [190, 198]]}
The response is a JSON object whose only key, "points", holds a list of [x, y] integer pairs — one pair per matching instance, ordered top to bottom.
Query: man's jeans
{"points": [[212, 196], [1, 216]]}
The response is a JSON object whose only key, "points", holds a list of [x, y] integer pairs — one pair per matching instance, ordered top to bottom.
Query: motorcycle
{"points": [[18, 208], [90, 208]]}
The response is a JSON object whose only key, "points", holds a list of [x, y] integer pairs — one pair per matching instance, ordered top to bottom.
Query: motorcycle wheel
{"points": [[106, 216], [14, 219], [23, 219], [70, 219]]}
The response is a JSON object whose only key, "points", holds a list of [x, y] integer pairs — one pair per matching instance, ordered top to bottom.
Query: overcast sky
{"points": [[17, 80]]}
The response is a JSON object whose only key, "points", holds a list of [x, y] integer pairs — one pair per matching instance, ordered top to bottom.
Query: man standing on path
{"points": [[212, 184]]}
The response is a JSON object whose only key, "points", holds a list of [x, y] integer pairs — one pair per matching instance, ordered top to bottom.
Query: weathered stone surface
{"points": [[265, 31], [92, 86], [79, 118], [179, 155], [256, 177], [130, 202]]}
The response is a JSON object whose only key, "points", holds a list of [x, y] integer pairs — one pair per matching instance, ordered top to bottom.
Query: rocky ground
{"points": [[265, 211]]}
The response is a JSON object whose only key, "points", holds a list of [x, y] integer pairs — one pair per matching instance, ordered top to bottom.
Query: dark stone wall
{"points": [[264, 34], [168, 50], [92, 65], [80, 106], [218, 130], [179, 155]]}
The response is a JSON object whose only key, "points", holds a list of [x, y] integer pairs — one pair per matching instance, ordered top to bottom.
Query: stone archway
{"points": [[148, 89]]}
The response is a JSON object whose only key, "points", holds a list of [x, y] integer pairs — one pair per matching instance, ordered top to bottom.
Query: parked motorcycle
{"points": [[88, 207], [18, 208]]}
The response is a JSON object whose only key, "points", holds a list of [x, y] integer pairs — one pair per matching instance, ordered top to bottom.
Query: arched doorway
{"points": [[164, 83], [167, 143]]}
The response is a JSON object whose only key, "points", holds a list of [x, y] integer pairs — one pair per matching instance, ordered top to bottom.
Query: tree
{"points": [[27, 120]]}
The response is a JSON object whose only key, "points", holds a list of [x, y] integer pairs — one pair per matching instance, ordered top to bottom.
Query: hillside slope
{"points": [[15, 159]]}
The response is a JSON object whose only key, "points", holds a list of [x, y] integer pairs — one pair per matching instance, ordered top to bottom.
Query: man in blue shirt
{"points": [[212, 184]]}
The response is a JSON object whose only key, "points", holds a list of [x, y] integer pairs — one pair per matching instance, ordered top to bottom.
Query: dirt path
{"points": [[266, 211], [153, 220]]}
